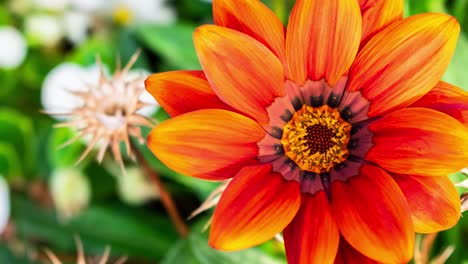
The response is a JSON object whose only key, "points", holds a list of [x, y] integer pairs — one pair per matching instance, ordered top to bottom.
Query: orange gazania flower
{"points": [[336, 130]]}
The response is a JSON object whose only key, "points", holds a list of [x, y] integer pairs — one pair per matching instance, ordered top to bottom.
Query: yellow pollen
{"points": [[122, 15], [316, 138]]}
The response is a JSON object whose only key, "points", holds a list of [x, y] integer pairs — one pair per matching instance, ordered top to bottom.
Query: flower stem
{"points": [[165, 197]]}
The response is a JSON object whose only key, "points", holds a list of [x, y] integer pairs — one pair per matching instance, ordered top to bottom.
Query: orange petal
{"points": [[377, 14], [253, 18], [322, 39], [404, 61], [242, 71], [180, 92], [448, 99], [419, 141], [209, 143], [434, 202], [256, 205], [373, 216], [312, 237], [348, 255]]}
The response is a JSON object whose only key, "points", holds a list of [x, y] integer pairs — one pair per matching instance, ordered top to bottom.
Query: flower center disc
{"points": [[316, 138]]}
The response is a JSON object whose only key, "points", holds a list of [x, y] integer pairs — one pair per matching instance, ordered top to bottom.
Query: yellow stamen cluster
{"points": [[316, 138]]}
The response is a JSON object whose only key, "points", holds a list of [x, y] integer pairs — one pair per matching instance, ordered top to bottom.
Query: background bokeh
{"points": [[47, 46]]}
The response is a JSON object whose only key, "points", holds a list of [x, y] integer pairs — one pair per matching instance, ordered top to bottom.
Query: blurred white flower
{"points": [[52, 5], [89, 6], [20, 7], [135, 11], [76, 25], [43, 29], [13, 48], [58, 87], [106, 111], [134, 188], [71, 191], [4, 204]]}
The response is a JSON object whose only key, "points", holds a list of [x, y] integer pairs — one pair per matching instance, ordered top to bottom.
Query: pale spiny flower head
{"points": [[109, 113], [81, 259]]}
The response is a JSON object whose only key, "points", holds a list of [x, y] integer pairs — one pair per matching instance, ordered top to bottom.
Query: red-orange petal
{"points": [[377, 14], [253, 18], [322, 39], [404, 61], [243, 72], [180, 92], [447, 98], [419, 141], [209, 143], [434, 202], [256, 205], [373, 216], [312, 237], [348, 255]]}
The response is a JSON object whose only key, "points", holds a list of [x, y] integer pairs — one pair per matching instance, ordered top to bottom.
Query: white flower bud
{"points": [[51, 5], [76, 26], [44, 29], [13, 49], [134, 188], [70, 190], [4, 203]]}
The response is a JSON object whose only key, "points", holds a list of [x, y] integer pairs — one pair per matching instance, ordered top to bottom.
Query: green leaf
{"points": [[423, 6], [460, 10], [5, 16], [172, 43], [127, 46], [86, 52], [456, 72], [10, 81], [16, 129], [64, 156], [10, 165], [456, 178], [127, 231], [455, 237], [195, 250], [6, 256]]}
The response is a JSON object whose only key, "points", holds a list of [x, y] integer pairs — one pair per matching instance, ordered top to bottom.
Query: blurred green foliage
{"points": [[29, 150]]}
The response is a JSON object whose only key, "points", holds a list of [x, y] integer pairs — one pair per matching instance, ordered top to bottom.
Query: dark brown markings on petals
{"points": [[334, 100], [316, 101], [297, 103], [346, 114], [286, 116], [358, 127], [276, 132], [361, 139], [353, 143], [279, 150], [358, 159], [291, 164], [340, 166], [346, 169], [325, 178], [310, 182]]}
